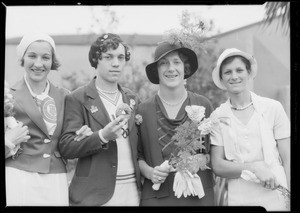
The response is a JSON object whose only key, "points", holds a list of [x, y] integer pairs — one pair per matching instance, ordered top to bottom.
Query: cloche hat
{"points": [[30, 38], [163, 49], [232, 52]]}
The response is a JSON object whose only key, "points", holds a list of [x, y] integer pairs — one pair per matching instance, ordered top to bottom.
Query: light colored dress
{"points": [[254, 141], [35, 189]]}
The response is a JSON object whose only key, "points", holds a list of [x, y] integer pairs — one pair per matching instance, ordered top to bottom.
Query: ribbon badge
{"points": [[94, 109]]}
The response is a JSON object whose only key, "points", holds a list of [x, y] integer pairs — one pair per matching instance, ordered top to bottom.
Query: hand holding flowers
{"points": [[186, 159], [250, 176]]}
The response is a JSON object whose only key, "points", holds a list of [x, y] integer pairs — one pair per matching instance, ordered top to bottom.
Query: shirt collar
{"points": [[45, 92]]}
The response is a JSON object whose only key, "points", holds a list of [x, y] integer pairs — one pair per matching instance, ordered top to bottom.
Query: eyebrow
{"points": [[110, 54]]}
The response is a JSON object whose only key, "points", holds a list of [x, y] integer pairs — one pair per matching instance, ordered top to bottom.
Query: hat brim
{"points": [[216, 70], [152, 72]]}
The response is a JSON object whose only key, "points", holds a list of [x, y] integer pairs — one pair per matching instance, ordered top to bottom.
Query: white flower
{"points": [[196, 113], [138, 119], [10, 122], [205, 126]]}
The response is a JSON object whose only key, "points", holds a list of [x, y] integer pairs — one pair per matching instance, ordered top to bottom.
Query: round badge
{"points": [[49, 110]]}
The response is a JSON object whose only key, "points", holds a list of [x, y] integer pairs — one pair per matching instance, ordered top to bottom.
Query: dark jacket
{"points": [[94, 179]]}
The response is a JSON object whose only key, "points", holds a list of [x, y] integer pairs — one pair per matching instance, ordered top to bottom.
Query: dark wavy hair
{"points": [[102, 44], [184, 59], [186, 62]]}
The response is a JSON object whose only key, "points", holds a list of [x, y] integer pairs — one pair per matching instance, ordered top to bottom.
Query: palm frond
{"points": [[281, 10]]}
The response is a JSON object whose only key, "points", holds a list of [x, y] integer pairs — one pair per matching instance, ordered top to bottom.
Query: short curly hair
{"points": [[102, 44]]}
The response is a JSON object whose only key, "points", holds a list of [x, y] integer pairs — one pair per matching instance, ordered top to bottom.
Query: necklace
{"points": [[108, 92], [113, 100], [171, 104], [242, 108]]}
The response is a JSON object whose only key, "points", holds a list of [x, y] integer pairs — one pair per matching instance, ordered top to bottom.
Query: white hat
{"points": [[32, 37], [227, 53]]}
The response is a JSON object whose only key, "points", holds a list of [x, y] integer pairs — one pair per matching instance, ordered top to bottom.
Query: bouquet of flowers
{"points": [[9, 120], [186, 159]]}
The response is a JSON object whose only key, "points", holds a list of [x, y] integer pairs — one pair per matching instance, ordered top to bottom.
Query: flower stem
{"points": [[168, 144]]}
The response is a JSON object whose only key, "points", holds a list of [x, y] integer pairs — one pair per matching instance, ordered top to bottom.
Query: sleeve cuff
{"points": [[101, 137]]}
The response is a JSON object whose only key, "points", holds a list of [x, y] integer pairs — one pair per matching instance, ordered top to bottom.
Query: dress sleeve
{"points": [[282, 126], [216, 137]]}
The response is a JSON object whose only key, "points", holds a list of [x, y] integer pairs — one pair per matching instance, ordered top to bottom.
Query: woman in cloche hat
{"points": [[161, 114], [251, 144], [36, 173]]}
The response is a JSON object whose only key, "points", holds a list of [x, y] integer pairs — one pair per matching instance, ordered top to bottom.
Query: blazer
{"points": [[150, 150], [40, 153], [94, 179]]}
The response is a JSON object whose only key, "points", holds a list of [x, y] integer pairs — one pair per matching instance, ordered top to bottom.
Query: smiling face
{"points": [[38, 61], [111, 64], [171, 70], [235, 76]]}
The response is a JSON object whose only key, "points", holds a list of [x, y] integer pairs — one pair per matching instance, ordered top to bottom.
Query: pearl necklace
{"points": [[108, 92], [171, 104], [242, 108]]}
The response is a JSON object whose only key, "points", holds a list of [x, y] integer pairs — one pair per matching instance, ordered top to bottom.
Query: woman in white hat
{"points": [[161, 114], [251, 144], [36, 173]]}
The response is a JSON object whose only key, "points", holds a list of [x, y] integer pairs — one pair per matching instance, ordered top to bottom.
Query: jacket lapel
{"points": [[27, 104], [95, 106]]}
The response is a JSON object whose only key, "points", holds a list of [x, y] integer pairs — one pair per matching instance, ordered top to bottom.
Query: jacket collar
{"points": [[95, 101], [27, 104]]}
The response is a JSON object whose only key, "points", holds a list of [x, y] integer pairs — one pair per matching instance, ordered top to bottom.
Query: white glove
{"points": [[249, 176], [179, 184], [187, 184], [197, 185], [189, 190]]}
